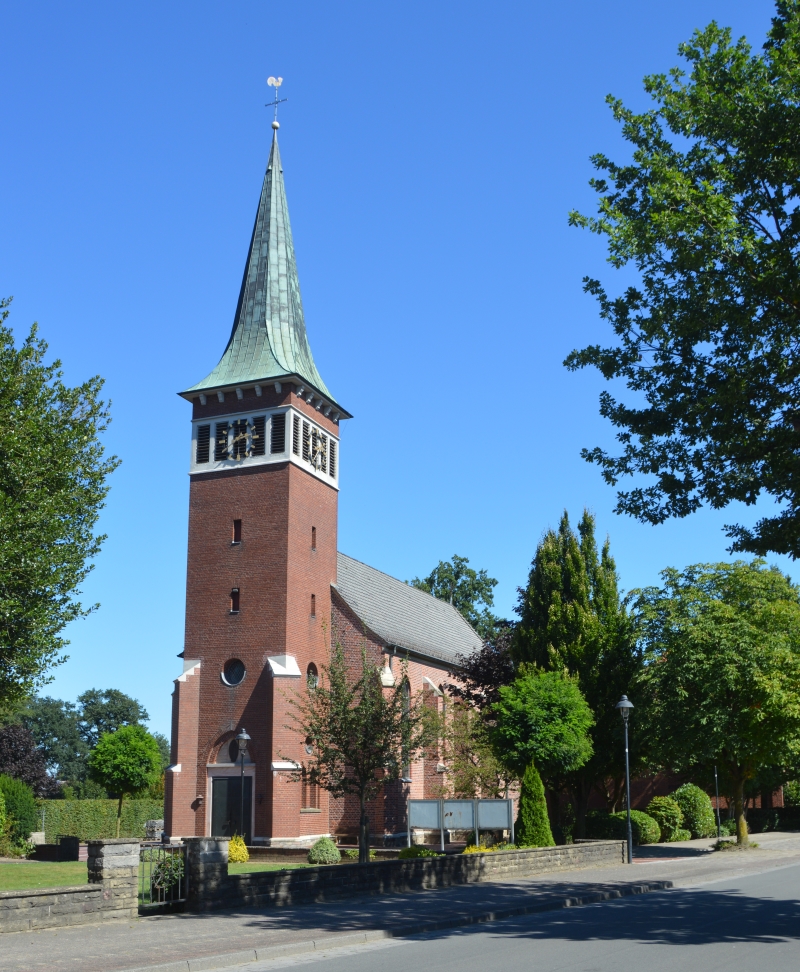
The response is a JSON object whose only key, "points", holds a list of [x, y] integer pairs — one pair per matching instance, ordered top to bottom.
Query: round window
{"points": [[233, 672]]}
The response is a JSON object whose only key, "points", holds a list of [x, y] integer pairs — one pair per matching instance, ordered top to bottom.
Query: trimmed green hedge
{"points": [[698, 814], [90, 819], [760, 821], [601, 825]]}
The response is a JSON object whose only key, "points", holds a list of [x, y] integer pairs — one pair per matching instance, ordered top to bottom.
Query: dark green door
{"points": [[226, 806]]}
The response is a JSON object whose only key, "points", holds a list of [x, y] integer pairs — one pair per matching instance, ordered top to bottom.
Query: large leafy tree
{"points": [[708, 339], [52, 485], [471, 592], [572, 619], [723, 649], [106, 711], [361, 735], [21, 760], [125, 762]]}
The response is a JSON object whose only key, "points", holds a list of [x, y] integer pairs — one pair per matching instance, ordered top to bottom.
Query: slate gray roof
{"points": [[402, 616]]}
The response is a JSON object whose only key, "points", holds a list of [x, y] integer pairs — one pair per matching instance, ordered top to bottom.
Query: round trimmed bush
{"points": [[20, 807], [668, 814], [698, 814], [601, 825], [644, 828], [681, 834], [324, 851]]}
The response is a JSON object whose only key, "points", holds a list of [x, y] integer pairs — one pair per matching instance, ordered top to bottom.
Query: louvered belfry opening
{"points": [[278, 433], [296, 435], [258, 436], [221, 441], [306, 442], [203, 443], [332, 458]]}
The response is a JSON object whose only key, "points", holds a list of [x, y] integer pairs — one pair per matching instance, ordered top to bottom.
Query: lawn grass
{"points": [[251, 866], [41, 874]]}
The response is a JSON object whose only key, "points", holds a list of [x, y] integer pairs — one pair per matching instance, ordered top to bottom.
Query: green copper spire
{"points": [[269, 339]]}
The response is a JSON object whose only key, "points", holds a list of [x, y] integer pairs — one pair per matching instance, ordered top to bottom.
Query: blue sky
{"points": [[431, 152]]}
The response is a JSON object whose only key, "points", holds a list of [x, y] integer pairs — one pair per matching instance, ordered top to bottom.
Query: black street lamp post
{"points": [[625, 707], [242, 739], [716, 789]]}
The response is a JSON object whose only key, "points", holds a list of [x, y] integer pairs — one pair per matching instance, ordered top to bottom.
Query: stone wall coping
{"points": [[105, 841], [39, 892]]}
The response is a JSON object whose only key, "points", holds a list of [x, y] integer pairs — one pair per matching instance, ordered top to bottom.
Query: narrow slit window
{"points": [[258, 436], [278, 436], [296, 436], [239, 438], [221, 441], [306, 442], [203, 443], [332, 458], [237, 531], [313, 538], [235, 600], [313, 605]]}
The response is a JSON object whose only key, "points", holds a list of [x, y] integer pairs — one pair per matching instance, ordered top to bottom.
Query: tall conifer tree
{"points": [[573, 619]]}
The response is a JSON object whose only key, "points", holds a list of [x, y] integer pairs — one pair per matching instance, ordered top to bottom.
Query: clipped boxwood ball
{"points": [[668, 814], [698, 814], [324, 851]]}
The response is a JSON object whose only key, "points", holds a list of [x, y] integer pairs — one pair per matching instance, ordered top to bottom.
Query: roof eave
{"points": [[194, 392]]}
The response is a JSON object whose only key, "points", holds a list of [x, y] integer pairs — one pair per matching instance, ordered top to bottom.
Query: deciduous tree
{"points": [[708, 338], [53, 481], [471, 592], [723, 648], [361, 734], [125, 762]]}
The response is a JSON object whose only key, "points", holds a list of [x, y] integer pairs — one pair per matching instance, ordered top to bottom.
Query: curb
{"points": [[261, 954]]}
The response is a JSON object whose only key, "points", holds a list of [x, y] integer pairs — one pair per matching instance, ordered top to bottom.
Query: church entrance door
{"points": [[226, 806]]}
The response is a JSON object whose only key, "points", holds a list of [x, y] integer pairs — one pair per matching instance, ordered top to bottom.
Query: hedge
{"points": [[698, 814], [668, 815], [779, 818], [90, 819]]}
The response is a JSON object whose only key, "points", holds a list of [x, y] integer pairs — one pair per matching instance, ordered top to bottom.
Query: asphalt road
{"points": [[739, 924]]}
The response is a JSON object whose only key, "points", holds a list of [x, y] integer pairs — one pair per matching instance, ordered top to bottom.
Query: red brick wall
{"points": [[276, 572], [182, 810], [387, 813]]}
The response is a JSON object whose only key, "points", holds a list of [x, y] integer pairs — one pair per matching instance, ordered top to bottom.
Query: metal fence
{"points": [[162, 874]]}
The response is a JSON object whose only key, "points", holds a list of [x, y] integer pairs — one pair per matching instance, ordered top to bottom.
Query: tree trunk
{"points": [[738, 806], [119, 813], [363, 833]]}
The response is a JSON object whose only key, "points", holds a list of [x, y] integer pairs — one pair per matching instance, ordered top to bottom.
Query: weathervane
{"points": [[275, 83]]}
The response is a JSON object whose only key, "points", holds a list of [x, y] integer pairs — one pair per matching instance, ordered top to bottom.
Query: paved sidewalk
{"points": [[163, 939]]}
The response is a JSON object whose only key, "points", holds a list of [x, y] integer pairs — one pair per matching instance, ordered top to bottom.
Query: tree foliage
{"points": [[709, 339], [52, 486], [471, 592], [572, 619], [723, 649], [480, 675], [105, 711], [542, 718], [361, 734], [20, 759], [125, 762], [20, 807], [532, 827]]}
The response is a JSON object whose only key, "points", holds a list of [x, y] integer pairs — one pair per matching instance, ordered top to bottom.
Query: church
{"points": [[268, 591]]}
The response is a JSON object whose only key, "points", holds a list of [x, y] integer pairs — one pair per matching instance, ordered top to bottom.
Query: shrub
{"points": [[791, 793], [20, 807], [698, 814], [668, 815], [601, 825], [728, 827], [532, 828], [645, 828], [681, 834], [237, 850], [324, 851], [408, 853], [352, 854]]}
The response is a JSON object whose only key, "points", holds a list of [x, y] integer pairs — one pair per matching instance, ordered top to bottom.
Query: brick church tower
{"points": [[264, 479]]}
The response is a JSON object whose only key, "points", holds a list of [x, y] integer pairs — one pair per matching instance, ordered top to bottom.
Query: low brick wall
{"points": [[113, 872], [210, 885]]}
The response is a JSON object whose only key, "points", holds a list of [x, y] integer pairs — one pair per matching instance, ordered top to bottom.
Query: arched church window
{"points": [[312, 676]]}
